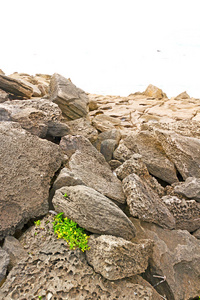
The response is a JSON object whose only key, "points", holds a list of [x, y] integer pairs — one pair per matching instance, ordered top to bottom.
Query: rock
{"points": [[1, 72], [28, 80], [15, 87], [153, 91], [183, 95], [3, 96], [71, 100], [93, 105], [5, 114], [40, 117], [103, 123], [83, 127], [113, 134], [70, 144], [150, 147], [107, 149], [183, 151], [122, 153], [114, 164], [96, 175], [25, 176], [66, 178], [190, 188], [145, 204], [93, 211], [186, 213], [196, 234], [15, 250], [176, 255], [115, 258], [4, 261], [52, 270]]}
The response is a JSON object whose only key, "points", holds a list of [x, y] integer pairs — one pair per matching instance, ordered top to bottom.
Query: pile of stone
{"points": [[133, 182]]}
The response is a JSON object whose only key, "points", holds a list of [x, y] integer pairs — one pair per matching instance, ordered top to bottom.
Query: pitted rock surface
{"points": [[27, 165], [53, 270]]}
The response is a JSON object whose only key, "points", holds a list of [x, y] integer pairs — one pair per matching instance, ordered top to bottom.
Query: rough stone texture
{"points": [[15, 87], [153, 91], [183, 95], [3, 96], [71, 100], [93, 105], [40, 117], [103, 123], [84, 128], [113, 134], [149, 146], [107, 148], [183, 151], [122, 153], [27, 164], [114, 164], [96, 175], [66, 178], [190, 188], [145, 204], [93, 211], [186, 213], [196, 234], [15, 250], [176, 255], [115, 258], [4, 261], [55, 272]]}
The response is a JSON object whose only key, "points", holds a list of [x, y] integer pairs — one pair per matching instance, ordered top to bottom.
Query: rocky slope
{"points": [[130, 167]]}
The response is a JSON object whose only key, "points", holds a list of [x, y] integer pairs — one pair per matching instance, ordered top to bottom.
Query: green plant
{"points": [[65, 195], [37, 223], [70, 232]]}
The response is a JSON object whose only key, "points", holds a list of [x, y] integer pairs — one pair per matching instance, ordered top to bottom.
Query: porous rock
{"points": [[15, 87], [71, 100], [84, 128], [113, 134], [122, 153], [96, 175], [25, 176], [190, 188], [145, 204], [93, 211], [185, 212], [15, 250], [115, 258], [4, 261], [52, 270]]}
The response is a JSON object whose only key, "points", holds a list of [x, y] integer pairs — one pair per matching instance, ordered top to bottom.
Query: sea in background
{"points": [[105, 47]]}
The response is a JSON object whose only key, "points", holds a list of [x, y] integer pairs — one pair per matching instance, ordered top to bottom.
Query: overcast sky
{"points": [[107, 46]]}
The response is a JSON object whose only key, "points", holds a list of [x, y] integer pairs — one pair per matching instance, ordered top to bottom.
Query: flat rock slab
{"points": [[16, 87], [71, 100], [27, 165], [97, 176], [145, 204], [93, 211], [115, 258], [52, 271]]}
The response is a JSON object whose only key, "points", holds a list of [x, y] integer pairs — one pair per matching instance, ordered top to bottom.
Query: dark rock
{"points": [[71, 100], [107, 149], [93, 211]]}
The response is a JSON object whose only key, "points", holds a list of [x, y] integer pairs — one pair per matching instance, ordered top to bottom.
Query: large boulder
{"points": [[16, 87], [71, 100], [40, 117], [27, 165], [96, 175], [145, 204], [93, 211], [115, 258], [175, 259], [52, 271]]}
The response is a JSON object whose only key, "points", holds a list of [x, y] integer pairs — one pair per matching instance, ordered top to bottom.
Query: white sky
{"points": [[106, 46]]}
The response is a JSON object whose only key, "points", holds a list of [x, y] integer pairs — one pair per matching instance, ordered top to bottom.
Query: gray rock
{"points": [[15, 87], [3, 96], [71, 100], [84, 128], [57, 129], [113, 134], [150, 147], [107, 149], [122, 153], [27, 165], [96, 175], [66, 178], [190, 188], [145, 204], [93, 211], [186, 213], [196, 234], [15, 250], [176, 256], [115, 258], [4, 261], [52, 270]]}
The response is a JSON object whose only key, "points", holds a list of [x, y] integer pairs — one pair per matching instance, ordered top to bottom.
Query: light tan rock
{"points": [[153, 91], [183, 95], [103, 123]]}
